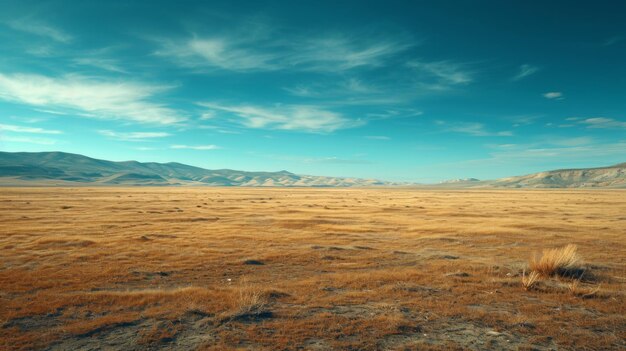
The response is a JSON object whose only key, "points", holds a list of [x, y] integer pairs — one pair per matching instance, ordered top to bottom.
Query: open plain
{"points": [[314, 269]]}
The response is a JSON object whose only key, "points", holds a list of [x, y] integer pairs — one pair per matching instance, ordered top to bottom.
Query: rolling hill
{"points": [[66, 169], [609, 177]]}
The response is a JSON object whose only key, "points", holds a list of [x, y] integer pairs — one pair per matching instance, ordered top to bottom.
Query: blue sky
{"points": [[406, 91]]}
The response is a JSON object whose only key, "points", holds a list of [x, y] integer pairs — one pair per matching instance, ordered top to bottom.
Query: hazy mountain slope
{"points": [[59, 168], [612, 176]]}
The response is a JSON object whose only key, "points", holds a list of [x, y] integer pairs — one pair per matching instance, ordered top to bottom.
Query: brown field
{"points": [[309, 269]]}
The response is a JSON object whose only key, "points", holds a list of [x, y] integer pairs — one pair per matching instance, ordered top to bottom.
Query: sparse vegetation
{"points": [[562, 261], [379, 269], [529, 282], [575, 288], [248, 301]]}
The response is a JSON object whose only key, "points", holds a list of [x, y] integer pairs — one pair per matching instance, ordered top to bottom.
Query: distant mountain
{"points": [[59, 168], [65, 169], [609, 177], [461, 180]]}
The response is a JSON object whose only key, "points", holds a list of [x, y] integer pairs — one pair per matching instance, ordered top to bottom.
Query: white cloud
{"points": [[40, 29], [221, 53], [254, 53], [341, 53], [102, 63], [525, 71], [443, 72], [341, 89], [554, 95], [89, 97], [207, 115], [286, 117], [602, 122], [471, 128], [22, 129], [133, 136], [27, 140], [576, 141], [196, 147], [145, 148], [575, 153]]}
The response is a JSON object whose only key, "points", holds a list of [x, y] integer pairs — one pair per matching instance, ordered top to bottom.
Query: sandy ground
{"points": [[307, 269]]}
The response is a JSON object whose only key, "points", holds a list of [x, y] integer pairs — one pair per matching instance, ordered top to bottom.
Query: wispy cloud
{"points": [[40, 29], [222, 53], [253, 53], [338, 53], [106, 64], [525, 70], [443, 73], [347, 91], [554, 95], [89, 97], [286, 117], [523, 120], [602, 122], [470, 128], [23, 129], [133, 136], [27, 140], [195, 147], [574, 152], [510, 156], [319, 160]]}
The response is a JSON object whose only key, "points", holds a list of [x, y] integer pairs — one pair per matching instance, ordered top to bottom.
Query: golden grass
{"points": [[563, 261], [343, 269], [529, 282], [247, 301]]}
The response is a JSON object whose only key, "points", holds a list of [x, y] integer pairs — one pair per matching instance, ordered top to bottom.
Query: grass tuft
{"points": [[562, 261], [529, 281], [247, 302]]}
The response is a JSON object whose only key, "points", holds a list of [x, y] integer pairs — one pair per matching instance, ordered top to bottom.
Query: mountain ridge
{"points": [[57, 168]]}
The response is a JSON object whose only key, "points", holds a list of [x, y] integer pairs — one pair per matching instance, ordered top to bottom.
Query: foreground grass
{"points": [[563, 261], [311, 269]]}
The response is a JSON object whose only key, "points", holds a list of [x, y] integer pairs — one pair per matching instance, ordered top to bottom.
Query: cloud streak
{"points": [[40, 29], [250, 53], [525, 70], [443, 73], [554, 95], [89, 97], [305, 118], [603, 123], [470, 128], [23, 129], [133, 136], [27, 140], [195, 147]]}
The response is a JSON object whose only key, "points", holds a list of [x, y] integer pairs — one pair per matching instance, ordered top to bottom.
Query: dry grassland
{"points": [[312, 269]]}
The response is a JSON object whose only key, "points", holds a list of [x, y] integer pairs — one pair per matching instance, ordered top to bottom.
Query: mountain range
{"points": [[66, 169]]}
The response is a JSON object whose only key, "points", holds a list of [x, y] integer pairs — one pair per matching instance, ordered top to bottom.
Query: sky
{"points": [[415, 91]]}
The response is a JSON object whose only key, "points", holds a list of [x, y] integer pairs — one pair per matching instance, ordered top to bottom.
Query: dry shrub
{"points": [[562, 261], [529, 281], [576, 290], [247, 301]]}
